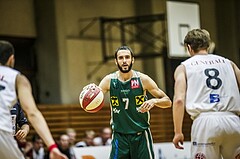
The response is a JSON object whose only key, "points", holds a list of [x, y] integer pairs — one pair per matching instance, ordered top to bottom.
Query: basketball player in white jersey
{"points": [[208, 86], [13, 87]]}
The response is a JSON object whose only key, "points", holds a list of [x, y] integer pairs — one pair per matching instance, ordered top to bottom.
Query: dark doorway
{"points": [[25, 59]]}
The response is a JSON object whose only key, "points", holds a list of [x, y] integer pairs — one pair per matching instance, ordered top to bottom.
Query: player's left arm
{"points": [[180, 87], [160, 98], [22, 122], [22, 132]]}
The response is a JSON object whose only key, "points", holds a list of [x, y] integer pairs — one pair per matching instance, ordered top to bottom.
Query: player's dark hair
{"points": [[198, 39], [123, 48], [6, 50]]}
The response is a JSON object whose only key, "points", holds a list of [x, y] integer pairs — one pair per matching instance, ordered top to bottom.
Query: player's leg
{"points": [[205, 137], [231, 138], [142, 145], [120, 146], [9, 148]]}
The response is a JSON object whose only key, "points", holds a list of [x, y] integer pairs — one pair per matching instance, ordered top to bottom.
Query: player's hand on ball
{"points": [[90, 86], [91, 98]]}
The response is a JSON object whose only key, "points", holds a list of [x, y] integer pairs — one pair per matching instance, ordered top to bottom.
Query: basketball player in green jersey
{"points": [[130, 108]]}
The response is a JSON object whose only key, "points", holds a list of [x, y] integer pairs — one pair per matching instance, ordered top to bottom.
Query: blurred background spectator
{"points": [[72, 136], [104, 138], [72, 139], [87, 139], [64, 145], [34, 149]]}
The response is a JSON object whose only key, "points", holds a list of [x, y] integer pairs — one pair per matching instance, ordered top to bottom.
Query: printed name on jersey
{"points": [[208, 62], [1, 77], [135, 84], [125, 91], [139, 99], [114, 101]]}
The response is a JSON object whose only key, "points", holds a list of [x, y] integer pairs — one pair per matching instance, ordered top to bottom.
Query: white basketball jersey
{"points": [[211, 85], [8, 96]]}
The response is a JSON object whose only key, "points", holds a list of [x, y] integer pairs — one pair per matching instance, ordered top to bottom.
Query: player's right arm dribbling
{"points": [[105, 84]]}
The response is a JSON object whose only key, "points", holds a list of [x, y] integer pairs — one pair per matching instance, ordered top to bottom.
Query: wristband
{"points": [[52, 147]]}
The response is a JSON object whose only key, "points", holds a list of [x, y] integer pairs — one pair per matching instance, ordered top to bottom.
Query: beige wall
{"points": [[74, 10], [17, 18], [72, 26], [87, 53], [64, 57]]}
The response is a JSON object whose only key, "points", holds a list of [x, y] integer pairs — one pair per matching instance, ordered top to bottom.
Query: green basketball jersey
{"points": [[125, 99]]}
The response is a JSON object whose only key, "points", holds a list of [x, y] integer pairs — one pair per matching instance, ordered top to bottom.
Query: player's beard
{"points": [[127, 70]]}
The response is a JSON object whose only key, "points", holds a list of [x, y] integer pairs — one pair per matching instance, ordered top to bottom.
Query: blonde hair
{"points": [[198, 39], [70, 130]]}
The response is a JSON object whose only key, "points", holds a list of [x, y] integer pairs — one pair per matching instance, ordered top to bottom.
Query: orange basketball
{"points": [[91, 98]]}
